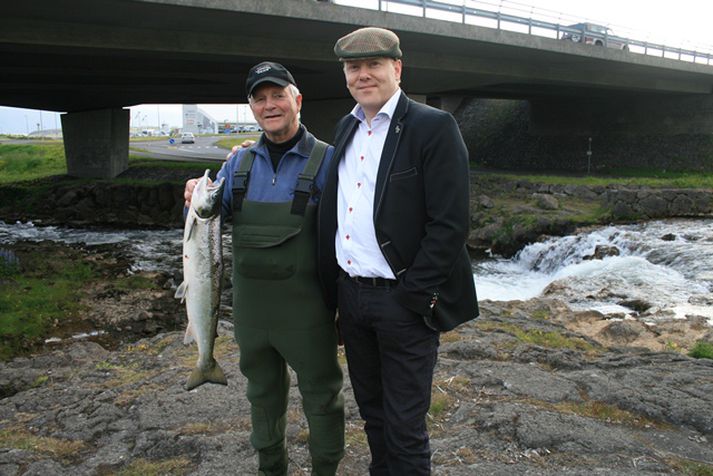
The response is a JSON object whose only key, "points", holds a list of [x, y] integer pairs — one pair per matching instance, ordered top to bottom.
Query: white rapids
{"points": [[667, 264]]}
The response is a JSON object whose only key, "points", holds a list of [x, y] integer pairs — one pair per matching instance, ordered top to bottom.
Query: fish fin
{"points": [[191, 226], [181, 291], [188, 337], [214, 374]]}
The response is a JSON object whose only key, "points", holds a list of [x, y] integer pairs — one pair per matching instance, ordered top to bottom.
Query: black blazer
{"points": [[421, 214]]}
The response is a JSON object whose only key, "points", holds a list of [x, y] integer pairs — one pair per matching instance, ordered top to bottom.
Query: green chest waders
{"points": [[280, 318]]}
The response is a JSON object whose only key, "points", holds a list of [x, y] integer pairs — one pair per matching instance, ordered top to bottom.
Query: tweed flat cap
{"points": [[368, 42]]}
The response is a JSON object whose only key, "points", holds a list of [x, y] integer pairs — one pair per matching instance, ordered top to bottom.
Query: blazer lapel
{"points": [[396, 129], [343, 137]]}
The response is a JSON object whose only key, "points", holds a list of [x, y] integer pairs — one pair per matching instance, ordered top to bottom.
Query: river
{"points": [[668, 265]]}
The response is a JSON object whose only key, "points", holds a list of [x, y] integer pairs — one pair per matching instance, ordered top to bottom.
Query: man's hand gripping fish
{"points": [[202, 276]]}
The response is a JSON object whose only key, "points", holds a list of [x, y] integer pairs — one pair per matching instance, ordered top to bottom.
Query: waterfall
{"points": [[665, 264]]}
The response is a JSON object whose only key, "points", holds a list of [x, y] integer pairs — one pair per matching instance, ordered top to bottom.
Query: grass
{"points": [[229, 142], [21, 162], [27, 162], [624, 176], [135, 282], [40, 291], [547, 339], [225, 349], [702, 350], [130, 379], [605, 412], [354, 435], [21, 439], [145, 467], [690, 468]]}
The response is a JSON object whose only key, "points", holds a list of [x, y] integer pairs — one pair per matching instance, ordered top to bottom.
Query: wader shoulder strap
{"points": [[240, 179], [305, 188]]}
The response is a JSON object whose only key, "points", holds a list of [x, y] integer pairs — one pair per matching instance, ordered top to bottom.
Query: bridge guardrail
{"points": [[682, 54]]}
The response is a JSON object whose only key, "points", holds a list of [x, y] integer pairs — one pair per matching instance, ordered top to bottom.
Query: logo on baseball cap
{"points": [[268, 72]]}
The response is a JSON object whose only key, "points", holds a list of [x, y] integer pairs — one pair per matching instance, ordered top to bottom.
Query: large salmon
{"points": [[202, 276]]}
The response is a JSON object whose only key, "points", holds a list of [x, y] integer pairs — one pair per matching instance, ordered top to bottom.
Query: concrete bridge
{"points": [[91, 58]]}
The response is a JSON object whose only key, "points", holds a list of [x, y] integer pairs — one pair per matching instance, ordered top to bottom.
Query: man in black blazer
{"points": [[392, 229]]}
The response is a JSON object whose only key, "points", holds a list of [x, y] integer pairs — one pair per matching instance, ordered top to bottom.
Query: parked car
{"points": [[591, 34], [188, 138]]}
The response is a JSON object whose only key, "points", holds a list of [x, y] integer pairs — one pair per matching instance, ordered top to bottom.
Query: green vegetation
{"points": [[150, 139], [229, 142], [20, 162], [29, 162], [142, 163], [623, 176], [134, 282], [41, 290], [541, 314], [548, 339], [702, 350], [40, 381], [440, 402], [605, 412], [21, 439], [144, 467], [691, 468]]}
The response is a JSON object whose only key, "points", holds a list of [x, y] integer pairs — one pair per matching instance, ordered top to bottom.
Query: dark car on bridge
{"points": [[592, 34]]}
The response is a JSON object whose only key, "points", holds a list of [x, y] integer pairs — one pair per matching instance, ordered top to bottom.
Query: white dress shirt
{"points": [[358, 252]]}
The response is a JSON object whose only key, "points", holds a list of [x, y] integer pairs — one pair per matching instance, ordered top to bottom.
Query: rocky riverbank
{"points": [[506, 213], [509, 213], [529, 388], [512, 395]]}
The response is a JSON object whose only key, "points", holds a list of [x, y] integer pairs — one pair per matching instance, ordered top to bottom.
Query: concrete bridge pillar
{"points": [[448, 103], [632, 115], [320, 117], [590, 134], [96, 143]]}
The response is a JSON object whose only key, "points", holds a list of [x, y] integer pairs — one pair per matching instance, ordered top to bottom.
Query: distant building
{"points": [[198, 121], [46, 134]]}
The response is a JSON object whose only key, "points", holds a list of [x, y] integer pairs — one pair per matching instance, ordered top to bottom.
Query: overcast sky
{"points": [[685, 23]]}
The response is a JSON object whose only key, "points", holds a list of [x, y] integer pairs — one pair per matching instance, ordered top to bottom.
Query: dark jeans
{"points": [[391, 354]]}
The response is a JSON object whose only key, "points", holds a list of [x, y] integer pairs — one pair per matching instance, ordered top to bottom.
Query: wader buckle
{"points": [[240, 184], [304, 190]]}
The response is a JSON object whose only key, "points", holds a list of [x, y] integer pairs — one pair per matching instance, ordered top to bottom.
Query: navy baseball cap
{"points": [[268, 72]]}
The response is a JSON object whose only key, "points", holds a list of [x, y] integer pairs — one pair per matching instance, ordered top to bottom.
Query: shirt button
{"points": [[369, 133], [361, 158], [358, 184], [350, 209], [347, 237], [349, 262]]}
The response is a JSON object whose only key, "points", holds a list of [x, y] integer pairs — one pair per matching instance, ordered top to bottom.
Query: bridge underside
{"points": [[102, 55]]}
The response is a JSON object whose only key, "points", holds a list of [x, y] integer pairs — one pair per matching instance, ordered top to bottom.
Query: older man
{"points": [[272, 189], [392, 230]]}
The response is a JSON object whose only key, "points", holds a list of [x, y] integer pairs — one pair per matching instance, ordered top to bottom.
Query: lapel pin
{"points": [[397, 129]]}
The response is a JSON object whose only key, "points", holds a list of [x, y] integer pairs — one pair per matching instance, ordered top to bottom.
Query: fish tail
{"points": [[200, 375]]}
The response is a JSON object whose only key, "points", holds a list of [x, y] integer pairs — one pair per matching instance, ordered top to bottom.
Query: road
{"points": [[203, 149]]}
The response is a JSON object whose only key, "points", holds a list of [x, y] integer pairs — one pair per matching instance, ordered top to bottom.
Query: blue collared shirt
{"points": [[266, 184]]}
